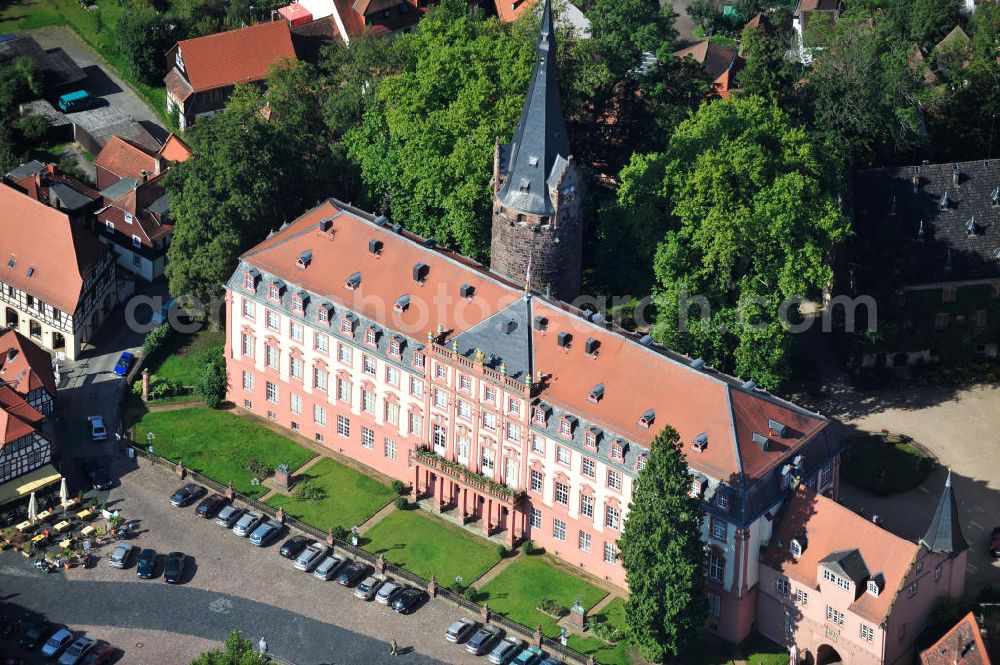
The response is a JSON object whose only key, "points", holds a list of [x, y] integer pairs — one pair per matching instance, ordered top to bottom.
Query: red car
{"points": [[995, 543], [101, 653]]}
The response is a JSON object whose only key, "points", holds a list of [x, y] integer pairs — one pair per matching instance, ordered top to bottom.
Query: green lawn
{"points": [[95, 26], [184, 356], [215, 443], [884, 465], [351, 496], [427, 545], [517, 591], [756, 650], [604, 653]]}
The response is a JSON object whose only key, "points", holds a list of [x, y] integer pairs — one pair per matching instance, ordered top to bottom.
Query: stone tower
{"points": [[537, 189]]}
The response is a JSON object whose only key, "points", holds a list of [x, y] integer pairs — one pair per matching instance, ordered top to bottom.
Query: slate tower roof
{"points": [[540, 137], [945, 532]]}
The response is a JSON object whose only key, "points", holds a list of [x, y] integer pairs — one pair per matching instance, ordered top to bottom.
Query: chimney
{"points": [[956, 171], [143, 175]]}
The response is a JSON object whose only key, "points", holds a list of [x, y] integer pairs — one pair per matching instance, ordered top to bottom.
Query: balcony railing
{"points": [[474, 480]]}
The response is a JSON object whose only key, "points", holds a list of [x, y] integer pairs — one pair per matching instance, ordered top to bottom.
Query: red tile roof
{"points": [[511, 10], [235, 56], [174, 149], [124, 159], [148, 225], [58, 265], [24, 365], [690, 399], [17, 417], [824, 523], [962, 645]]}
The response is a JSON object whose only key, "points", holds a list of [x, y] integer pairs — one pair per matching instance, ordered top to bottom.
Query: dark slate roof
{"points": [[540, 136], [24, 170], [119, 189], [68, 198], [909, 234], [505, 338], [945, 531], [847, 563]]}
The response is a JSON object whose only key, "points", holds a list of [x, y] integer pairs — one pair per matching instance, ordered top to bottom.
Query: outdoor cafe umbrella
{"points": [[63, 491], [32, 508]]}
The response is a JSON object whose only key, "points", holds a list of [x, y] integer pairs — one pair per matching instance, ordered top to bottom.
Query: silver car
{"points": [[228, 516], [248, 523], [120, 556], [311, 556], [329, 567], [367, 589], [387, 592], [460, 630], [56, 643], [505, 650], [76, 651]]}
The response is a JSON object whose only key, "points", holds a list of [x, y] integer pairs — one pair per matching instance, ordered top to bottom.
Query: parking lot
{"points": [[228, 584]]}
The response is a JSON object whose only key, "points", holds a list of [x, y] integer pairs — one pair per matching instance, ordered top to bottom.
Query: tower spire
{"points": [[540, 136], [944, 534]]}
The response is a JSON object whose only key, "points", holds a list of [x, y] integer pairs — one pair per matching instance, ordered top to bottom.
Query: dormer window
{"points": [[128, 218], [305, 258], [249, 277], [353, 282], [274, 291], [298, 303], [402, 303], [323, 313], [347, 326], [371, 336], [395, 347], [418, 360], [596, 393], [539, 416], [647, 418], [565, 428], [776, 429], [590, 438], [761, 441], [700, 442], [617, 451], [640, 463], [697, 487], [722, 499], [795, 546], [873, 588]]}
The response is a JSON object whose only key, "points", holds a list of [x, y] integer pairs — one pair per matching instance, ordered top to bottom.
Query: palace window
{"points": [[343, 426], [368, 437], [389, 449], [588, 467], [615, 480], [536, 481], [562, 493], [587, 505], [612, 517], [535, 518], [558, 529], [584, 542], [610, 553], [716, 566]]}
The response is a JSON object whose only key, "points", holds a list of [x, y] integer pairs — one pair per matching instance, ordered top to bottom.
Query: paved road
{"points": [[102, 79]]}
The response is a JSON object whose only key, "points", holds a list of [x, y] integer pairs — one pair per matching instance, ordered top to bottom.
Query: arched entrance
{"points": [[827, 655]]}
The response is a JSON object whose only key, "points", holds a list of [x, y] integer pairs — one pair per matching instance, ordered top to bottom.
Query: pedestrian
{"points": [[262, 646], [395, 648]]}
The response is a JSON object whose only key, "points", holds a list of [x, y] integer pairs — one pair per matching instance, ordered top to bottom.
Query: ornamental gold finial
{"points": [[480, 356], [503, 369]]}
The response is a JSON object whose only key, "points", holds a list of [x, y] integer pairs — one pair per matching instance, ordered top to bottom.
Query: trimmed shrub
{"points": [[156, 339], [213, 381], [399, 487], [308, 492], [401, 503], [527, 547], [471, 594]]}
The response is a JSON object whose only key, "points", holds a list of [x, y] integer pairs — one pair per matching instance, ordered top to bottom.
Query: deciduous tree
{"points": [[143, 37], [663, 555], [237, 651]]}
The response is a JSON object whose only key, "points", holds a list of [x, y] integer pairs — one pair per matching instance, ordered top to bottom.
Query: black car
{"points": [[98, 476], [185, 495], [211, 505], [292, 547], [146, 564], [174, 568], [352, 573], [408, 599], [35, 635], [482, 640]]}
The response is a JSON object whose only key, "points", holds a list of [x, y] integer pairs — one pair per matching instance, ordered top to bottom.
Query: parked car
{"points": [[79, 100], [124, 364], [97, 430], [98, 476], [185, 495], [211, 505], [228, 516], [246, 524], [267, 533], [995, 543], [292, 547], [121, 554], [311, 556], [145, 567], [328, 567], [173, 569], [352, 573], [367, 589], [388, 591], [407, 600], [459, 631], [35, 635], [483, 640], [56, 643], [505, 650], [76, 651], [101, 654], [530, 656], [552, 661]]}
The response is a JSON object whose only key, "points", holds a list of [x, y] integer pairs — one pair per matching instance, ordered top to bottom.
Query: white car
{"points": [[97, 430], [246, 524], [311, 556], [119, 558], [329, 566], [368, 588], [387, 592]]}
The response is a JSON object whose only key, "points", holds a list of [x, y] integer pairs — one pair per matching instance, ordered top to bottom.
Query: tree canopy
{"points": [[19, 82], [425, 143], [749, 221], [663, 555], [237, 651]]}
